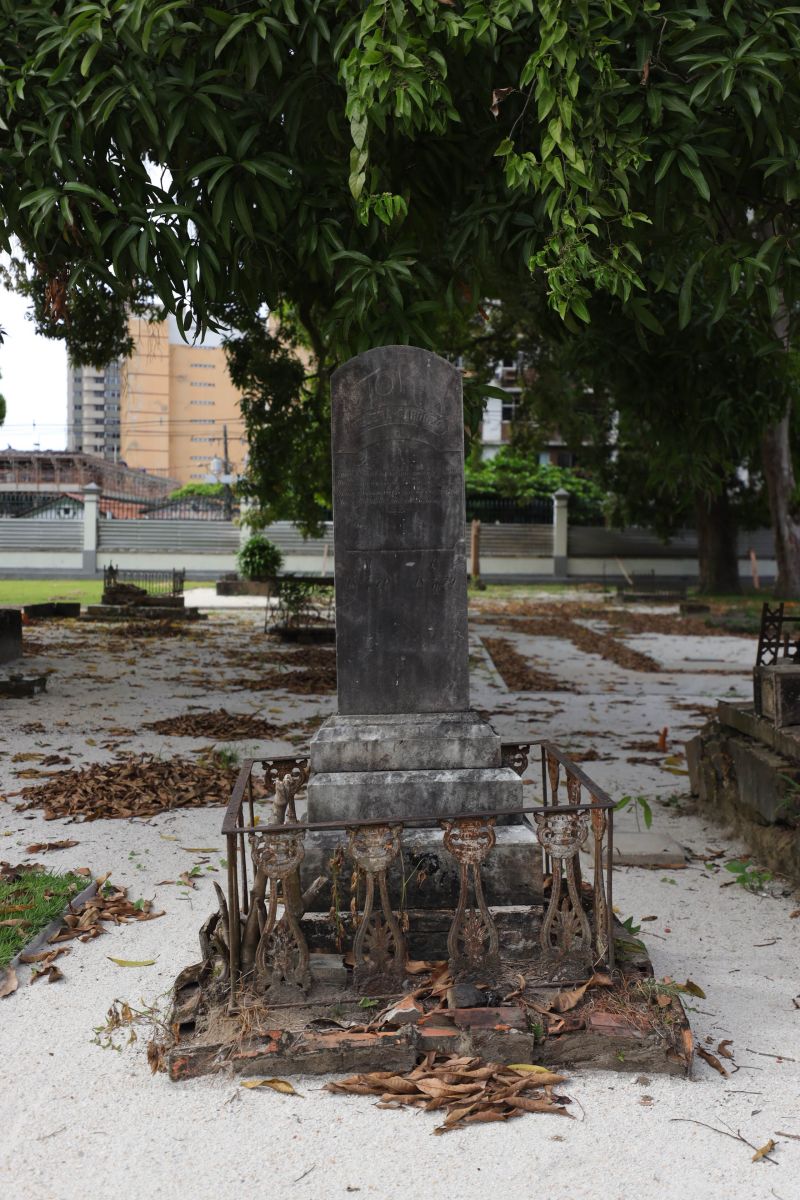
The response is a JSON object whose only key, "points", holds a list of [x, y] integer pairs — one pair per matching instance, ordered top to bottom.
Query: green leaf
{"points": [[236, 26], [697, 177], [685, 296]]}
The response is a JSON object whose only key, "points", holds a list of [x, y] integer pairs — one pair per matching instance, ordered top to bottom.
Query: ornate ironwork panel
{"points": [[515, 756], [286, 778], [565, 926], [472, 943], [379, 949], [282, 952]]}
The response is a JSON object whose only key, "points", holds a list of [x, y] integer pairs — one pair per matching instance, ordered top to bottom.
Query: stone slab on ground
{"points": [[144, 612], [648, 848], [614, 1028]]}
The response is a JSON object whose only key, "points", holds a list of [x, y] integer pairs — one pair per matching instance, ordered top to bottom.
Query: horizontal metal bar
{"points": [[573, 769], [423, 822]]}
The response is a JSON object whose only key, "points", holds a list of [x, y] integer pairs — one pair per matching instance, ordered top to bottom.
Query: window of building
{"points": [[206, 366], [202, 383], [201, 401], [509, 408], [202, 420]]}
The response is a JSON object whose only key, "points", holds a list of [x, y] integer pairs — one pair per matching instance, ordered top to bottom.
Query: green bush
{"points": [[520, 477], [259, 558]]}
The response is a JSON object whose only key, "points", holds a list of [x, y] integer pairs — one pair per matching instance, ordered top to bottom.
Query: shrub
{"points": [[259, 558]]}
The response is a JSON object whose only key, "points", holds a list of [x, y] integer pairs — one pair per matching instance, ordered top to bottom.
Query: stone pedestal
{"points": [[777, 693], [420, 765], [407, 766]]}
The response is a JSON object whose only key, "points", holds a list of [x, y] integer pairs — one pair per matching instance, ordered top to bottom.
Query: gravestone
{"points": [[399, 521], [10, 634], [404, 742]]}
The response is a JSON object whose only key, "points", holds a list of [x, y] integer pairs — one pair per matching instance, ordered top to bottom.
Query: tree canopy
{"points": [[369, 163], [375, 172]]}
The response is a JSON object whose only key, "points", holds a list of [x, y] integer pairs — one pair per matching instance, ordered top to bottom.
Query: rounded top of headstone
{"points": [[407, 358]]}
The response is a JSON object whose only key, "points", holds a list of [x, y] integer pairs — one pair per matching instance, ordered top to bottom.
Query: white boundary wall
{"points": [[208, 549]]}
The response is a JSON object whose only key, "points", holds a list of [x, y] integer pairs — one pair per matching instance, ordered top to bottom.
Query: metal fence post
{"points": [[91, 508], [560, 532]]}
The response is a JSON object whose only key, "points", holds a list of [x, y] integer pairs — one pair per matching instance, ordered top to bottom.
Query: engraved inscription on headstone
{"points": [[398, 507]]}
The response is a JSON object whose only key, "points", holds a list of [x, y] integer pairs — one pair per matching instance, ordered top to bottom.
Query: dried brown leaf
{"points": [[43, 847], [8, 981], [564, 1001], [722, 1048], [711, 1059], [276, 1085], [763, 1150]]}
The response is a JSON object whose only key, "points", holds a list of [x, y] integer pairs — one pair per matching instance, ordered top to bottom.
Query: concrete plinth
{"points": [[404, 742], [406, 795]]}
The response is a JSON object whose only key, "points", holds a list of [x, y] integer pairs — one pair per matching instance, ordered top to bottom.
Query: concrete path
{"points": [[81, 1115]]}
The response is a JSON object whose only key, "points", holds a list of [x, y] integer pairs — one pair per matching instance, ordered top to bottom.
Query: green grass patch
{"points": [[17, 592], [34, 899]]}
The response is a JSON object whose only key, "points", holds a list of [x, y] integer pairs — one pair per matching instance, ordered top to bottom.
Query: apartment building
{"points": [[177, 404], [93, 410], [499, 416]]}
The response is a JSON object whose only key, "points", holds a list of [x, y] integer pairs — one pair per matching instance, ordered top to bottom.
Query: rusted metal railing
{"points": [[574, 914]]}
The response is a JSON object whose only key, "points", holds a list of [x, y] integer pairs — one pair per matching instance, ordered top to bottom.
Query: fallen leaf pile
{"points": [[152, 629], [590, 641], [314, 658], [517, 673], [310, 681], [224, 726], [135, 785], [110, 905], [470, 1091]]}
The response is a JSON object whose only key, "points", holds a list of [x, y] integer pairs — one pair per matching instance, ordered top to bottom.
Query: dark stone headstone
{"points": [[398, 503], [10, 634]]}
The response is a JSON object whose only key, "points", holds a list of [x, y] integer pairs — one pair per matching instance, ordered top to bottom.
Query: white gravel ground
{"points": [[79, 1119]]}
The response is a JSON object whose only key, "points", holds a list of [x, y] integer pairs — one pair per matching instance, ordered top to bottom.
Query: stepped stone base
{"points": [[745, 770]]}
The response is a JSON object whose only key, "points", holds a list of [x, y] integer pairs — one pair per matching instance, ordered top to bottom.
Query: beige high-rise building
{"points": [[176, 402]]}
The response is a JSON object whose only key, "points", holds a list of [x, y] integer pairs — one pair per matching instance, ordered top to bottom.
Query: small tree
{"points": [[259, 558]]}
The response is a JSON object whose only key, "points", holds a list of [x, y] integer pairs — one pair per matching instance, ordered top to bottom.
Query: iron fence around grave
{"points": [[154, 583], [571, 925]]}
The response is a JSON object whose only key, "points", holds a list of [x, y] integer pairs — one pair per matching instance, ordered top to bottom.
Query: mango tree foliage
{"points": [[370, 162], [377, 168]]}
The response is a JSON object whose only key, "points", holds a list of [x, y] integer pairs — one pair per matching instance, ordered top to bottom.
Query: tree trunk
{"points": [[776, 456], [716, 544]]}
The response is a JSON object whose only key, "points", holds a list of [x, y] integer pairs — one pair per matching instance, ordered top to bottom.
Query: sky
{"points": [[33, 379]]}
